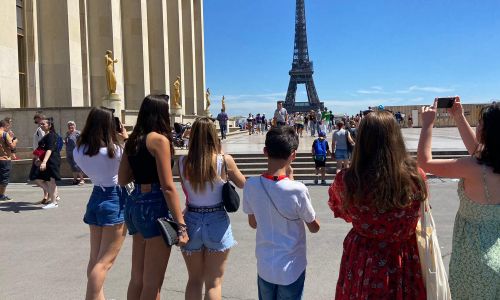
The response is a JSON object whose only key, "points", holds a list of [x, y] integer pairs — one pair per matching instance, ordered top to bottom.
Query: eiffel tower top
{"points": [[301, 51]]}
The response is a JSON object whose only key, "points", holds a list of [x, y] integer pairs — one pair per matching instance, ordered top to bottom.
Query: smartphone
{"points": [[446, 102], [118, 124]]}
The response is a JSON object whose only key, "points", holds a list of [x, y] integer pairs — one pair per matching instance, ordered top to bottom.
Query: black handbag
{"points": [[230, 197], [168, 229]]}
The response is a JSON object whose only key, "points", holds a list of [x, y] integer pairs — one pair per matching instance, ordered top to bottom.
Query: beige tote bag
{"points": [[434, 273]]}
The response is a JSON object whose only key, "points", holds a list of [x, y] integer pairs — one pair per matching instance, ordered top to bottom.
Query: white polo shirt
{"points": [[280, 243]]}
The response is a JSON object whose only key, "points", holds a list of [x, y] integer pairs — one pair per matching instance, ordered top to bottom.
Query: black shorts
{"points": [[320, 163], [5, 168]]}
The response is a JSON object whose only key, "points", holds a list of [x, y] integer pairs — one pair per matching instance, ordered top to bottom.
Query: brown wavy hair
{"points": [[489, 151], [199, 165], [381, 169]]}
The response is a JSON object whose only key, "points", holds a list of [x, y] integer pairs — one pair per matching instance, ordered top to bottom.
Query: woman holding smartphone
{"points": [[98, 153], [147, 162]]}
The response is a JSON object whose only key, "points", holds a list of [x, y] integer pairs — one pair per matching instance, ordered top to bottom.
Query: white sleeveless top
{"points": [[210, 196]]}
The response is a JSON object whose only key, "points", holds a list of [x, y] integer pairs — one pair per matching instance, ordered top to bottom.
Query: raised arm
{"points": [[466, 132]]}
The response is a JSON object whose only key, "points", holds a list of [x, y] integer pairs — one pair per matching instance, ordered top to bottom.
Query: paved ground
{"points": [[443, 139], [43, 253]]}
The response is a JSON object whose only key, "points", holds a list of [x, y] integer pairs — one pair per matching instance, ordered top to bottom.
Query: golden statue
{"points": [[110, 72], [177, 93], [207, 97], [223, 103]]}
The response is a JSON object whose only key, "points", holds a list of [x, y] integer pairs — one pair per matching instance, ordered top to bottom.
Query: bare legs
{"points": [[341, 164], [105, 244], [149, 263], [205, 268]]}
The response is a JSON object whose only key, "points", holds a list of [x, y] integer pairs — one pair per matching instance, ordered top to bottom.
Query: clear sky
{"points": [[365, 52]]}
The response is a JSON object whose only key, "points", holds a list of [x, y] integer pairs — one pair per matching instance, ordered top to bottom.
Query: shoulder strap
{"points": [[219, 162], [225, 168], [486, 190], [272, 202]]}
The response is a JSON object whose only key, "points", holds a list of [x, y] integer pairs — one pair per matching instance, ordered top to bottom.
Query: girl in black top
{"points": [[147, 162], [46, 167]]}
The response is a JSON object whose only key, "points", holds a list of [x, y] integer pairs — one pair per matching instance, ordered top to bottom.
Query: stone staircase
{"points": [[254, 164]]}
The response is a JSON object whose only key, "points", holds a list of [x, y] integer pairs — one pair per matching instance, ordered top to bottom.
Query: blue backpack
{"points": [[59, 143], [320, 149]]}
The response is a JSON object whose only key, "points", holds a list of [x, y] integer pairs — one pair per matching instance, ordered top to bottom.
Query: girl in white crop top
{"points": [[203, 174]]}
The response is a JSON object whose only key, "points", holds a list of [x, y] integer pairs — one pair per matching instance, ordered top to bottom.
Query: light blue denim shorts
{"points": [[341, 154], [106, 206], [208, 230]]}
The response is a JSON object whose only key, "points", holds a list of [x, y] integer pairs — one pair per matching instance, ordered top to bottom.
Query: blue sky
{"points": [[365, 52]]}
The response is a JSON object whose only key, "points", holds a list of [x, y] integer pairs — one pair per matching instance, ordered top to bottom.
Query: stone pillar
{"points": [[104, 33], [158, 47], [175, 47], [135, 52], [85, 53], [199, 54], [60, 56], [189, 57], [32, 64], [9, 69]]}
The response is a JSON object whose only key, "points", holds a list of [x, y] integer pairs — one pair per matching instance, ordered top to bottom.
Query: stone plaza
{"points": [[44, 253]]}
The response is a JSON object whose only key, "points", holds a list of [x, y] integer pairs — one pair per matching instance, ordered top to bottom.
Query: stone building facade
{"points": [[52, 51]]}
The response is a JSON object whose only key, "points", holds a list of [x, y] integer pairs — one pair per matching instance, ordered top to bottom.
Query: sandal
{"points": [[43, 201]]}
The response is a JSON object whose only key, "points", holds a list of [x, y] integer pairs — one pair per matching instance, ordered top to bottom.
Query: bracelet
{"points": [[181, 231]]}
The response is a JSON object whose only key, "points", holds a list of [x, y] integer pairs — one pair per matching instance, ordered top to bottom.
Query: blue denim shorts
{"points": [[341, 154], [106, 206], [143, 209], [208, 230], [271, 291]]}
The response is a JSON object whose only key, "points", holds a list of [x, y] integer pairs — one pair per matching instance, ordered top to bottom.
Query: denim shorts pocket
{"points": [[219, 228]]}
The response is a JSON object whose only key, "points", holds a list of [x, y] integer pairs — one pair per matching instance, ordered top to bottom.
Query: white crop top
{"points": [[101, 169], [210, 196]]}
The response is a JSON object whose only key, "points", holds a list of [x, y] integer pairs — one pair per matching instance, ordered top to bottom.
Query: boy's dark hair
{"points": [[3, 123], [281, 142]]}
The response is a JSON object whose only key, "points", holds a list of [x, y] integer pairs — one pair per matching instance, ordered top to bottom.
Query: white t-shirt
{"points": [[37, 137], [101, 169], [280, 243]]}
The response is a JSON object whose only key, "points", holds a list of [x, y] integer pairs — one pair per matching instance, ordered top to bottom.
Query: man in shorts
{"points": [[280, 115], [7, 144], [320, 151]]}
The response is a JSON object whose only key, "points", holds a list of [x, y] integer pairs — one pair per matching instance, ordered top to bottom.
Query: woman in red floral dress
{"points": [[380, 194]]}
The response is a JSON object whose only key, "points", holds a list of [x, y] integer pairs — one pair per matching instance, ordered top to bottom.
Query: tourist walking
{"points": [[280, 115], [222, 118], [258, 122], [312, 122], [264, 124], [299, 124], [8, 128], [37, 137], [340, 139], [70, 140], [7, 144], [320, 151], [98, 152], [147, 161], [47, 163], [203, 173], [380, 193], [278, 207], [475, 256]]}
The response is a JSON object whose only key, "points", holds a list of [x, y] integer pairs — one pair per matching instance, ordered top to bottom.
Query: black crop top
{"points": [[143, 166]]}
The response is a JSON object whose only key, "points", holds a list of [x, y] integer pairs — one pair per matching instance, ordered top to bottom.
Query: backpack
{"points": [[59, 143], [320, 149]]}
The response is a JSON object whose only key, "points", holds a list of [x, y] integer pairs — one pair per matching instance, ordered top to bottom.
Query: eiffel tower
{"points": [[302, 68]]}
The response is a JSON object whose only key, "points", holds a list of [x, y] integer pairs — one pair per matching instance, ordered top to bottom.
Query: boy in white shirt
{"points": [[278, 207]]}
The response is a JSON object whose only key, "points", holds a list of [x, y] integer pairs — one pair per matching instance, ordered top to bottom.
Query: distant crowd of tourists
{"points": [[381, 192]]}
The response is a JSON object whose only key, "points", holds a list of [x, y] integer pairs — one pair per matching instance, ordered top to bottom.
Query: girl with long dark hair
{"points": [[98, 153], [147, 162], [380, 193], [475, 256]]}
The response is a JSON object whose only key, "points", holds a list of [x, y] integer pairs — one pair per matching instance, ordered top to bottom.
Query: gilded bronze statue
{"points": [[110, 72], [177, 93], [207, 97], [223, 103]]}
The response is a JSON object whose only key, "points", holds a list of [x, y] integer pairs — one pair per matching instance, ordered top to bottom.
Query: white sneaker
{"points": [[51, 205]]}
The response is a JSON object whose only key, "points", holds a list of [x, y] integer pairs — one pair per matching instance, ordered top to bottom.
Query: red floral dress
{"points": [[380, 258]]}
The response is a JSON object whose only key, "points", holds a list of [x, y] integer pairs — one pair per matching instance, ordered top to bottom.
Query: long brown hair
{"points": [[99, 131], [199, 165], [381, 169]]}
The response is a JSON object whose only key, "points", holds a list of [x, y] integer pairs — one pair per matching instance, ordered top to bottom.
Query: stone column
{"points": [[104, 33], [158, 47], [175, 47], [135, 52], [85, 53], [199, 54], [60, 56], [189, 57], [32, 64], [9, 69]]}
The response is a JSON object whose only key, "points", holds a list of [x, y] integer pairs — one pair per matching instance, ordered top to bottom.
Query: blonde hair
{"points": [[199, 165]]}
